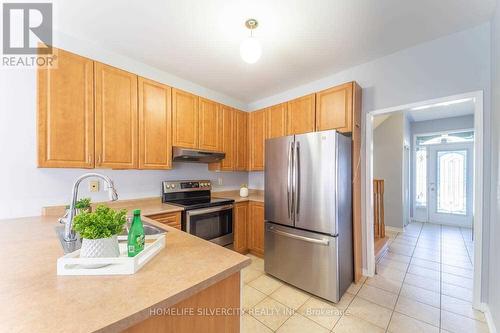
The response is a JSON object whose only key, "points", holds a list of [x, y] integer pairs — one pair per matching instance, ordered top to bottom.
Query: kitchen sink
{"points": [[68, 247]]}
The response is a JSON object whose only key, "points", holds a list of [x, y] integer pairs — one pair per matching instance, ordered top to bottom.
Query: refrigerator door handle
{"points": [[289, 180], [296, 181], [325, 242]]}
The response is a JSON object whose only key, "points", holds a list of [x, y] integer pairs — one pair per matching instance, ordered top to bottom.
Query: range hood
{"points": [[196, 156]]}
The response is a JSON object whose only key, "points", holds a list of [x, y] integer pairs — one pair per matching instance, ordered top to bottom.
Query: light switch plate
{"points": [[94, 186]]}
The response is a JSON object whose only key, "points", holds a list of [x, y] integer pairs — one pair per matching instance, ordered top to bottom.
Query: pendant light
{"points": [[250, 49]]}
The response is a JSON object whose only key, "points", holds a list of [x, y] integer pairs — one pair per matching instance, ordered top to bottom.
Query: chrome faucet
{"points": [[69, 234]]}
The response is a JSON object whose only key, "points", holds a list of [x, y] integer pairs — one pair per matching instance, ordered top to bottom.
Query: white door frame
{"points": [[477, 96]]}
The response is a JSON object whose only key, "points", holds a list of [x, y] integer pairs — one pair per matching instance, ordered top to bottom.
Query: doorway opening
{"points": [[433, 195]]}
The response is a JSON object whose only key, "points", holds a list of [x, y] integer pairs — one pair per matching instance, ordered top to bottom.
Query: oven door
{"points": [[214, 224]]}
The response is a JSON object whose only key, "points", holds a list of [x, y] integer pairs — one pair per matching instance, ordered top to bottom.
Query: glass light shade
{"points": [[250, 50]]}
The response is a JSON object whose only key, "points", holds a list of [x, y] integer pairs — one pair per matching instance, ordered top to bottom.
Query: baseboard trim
{"points": [[389, 228], [489, 318]]}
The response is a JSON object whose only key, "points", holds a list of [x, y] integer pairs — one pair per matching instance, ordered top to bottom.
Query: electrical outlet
{"points": [[219, 181], [94, 186]]}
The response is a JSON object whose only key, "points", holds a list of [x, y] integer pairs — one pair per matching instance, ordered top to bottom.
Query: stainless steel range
{"points": [[203, 216]]}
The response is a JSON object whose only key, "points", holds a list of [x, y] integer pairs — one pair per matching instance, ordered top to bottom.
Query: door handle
{"points": [[289, 180], [296, 182], [302, 238]]}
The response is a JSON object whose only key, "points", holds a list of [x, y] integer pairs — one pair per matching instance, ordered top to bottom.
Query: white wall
{"points": [[454, 64], [388, 141], [25, 189], [494, 248]]}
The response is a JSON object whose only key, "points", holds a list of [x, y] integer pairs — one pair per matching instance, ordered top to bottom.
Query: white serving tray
{"points": [[72, 264]]}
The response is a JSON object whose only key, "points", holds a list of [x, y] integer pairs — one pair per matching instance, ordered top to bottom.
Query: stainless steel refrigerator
{"points": [[308, 212]]}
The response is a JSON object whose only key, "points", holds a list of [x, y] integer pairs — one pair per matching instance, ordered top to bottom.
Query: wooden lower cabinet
{"points": [[171, 219], [240, 227], [256, 228], [223, 295]]}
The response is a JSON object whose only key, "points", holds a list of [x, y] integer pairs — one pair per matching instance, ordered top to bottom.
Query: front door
{"points": [[451, 183]]}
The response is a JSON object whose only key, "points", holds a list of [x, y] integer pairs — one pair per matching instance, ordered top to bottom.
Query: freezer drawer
{"points": [[304, 259]]}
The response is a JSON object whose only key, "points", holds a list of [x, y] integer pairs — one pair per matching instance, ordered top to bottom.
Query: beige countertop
{"points": [[253, 195], [34, 299]]}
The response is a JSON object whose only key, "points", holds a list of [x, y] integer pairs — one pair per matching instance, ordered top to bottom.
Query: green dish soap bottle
{"points": [[135, 239]]}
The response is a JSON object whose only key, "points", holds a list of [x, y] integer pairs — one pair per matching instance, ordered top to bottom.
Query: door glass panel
{"points": [[421, 175], [451, 182], [212, 225]]}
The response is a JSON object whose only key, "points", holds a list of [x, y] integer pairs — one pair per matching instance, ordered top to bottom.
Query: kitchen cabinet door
{"points": [[334, 108], [301, 115], [116, 118], [184, 119], [276, 120], [65, 121], [155, 125], [209, 125], [228, 134], [257, 137], [241, 141], [171, 219], [240, 227], [256, 228]]}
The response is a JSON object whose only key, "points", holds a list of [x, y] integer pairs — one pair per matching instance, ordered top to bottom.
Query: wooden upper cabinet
{"points": [[334, 108], [66, 113], [301, 115], [116, 118], [184, 119], [276, 120], [155, 124], [209, 125], [228, 135], [257, 137], [241, 147]]}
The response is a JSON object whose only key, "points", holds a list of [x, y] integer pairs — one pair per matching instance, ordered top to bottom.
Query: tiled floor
{"points": [[424, 284]]}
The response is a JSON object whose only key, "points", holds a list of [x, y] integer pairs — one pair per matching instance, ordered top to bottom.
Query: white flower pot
{"points": [[244, 192], [100, 248]]}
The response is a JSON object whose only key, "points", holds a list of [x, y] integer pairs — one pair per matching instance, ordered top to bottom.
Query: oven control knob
{"points": [[172, 186]]}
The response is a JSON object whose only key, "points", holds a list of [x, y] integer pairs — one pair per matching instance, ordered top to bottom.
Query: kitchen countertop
{"points": [[253, 195], [34, 299]]}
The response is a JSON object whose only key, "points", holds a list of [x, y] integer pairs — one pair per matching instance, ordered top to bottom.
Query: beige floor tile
{"points": [[401, 249], [428, 256], [397, 257], [257, 264], [400, 266], [435, 266], [424, 272], [463, 272], [390, 273], [248, 274], [457, 280], [422, 282], [383, 283], [265, 284], [354, 288], [456, 291], [421, 295], [290, 296], [378, 296], [251, 297], [344, 301], [460, 307], [417, 310], [321, 312], [371, 312], [271, 313], [401, 323], [300, 324], [351, 324], [459, 324], [251, 325]]}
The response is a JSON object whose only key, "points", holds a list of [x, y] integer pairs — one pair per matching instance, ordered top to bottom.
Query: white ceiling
{"points": [[302, 40], [444, 111]]}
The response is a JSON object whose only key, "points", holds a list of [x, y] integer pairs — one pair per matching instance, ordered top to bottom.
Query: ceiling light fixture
{"points": [[250, 49]]}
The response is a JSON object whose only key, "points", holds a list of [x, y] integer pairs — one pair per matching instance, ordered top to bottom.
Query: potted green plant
{"points": [[82, 205], [99, 230]]}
